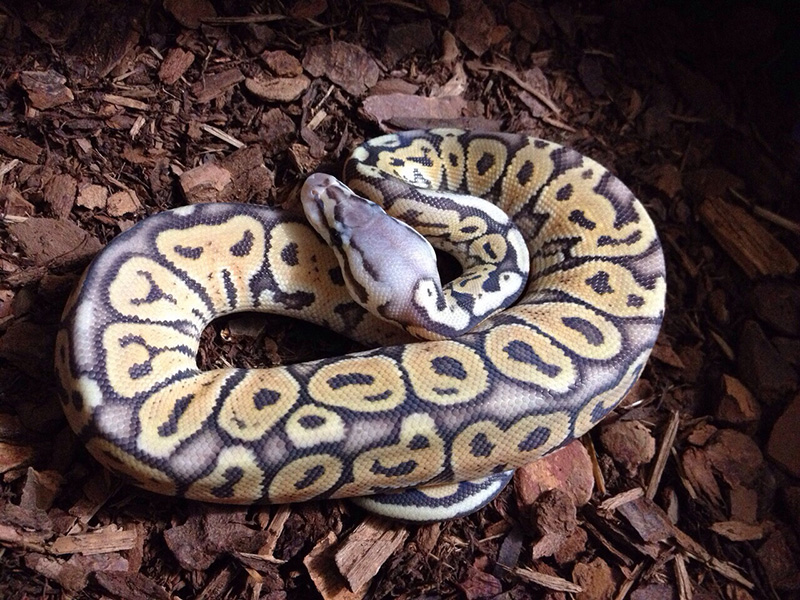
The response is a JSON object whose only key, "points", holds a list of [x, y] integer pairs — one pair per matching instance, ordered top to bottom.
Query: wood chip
{"points": [[190, 13], [474, 26], [282, 63], [175, 64], [347, 65], [508, 72], [212, 86], [45, 89], [278, 89], [125, 102], [387, 107], [225, 137], [20, 148], [204, 183], [59, 194], [92, 196], [123, 202], [46, 240], [745, 240], [737, 406], [629, 443], [782, 445], [663, 454], [13, 456], [569, 468], [622, 498], [647, 518], [736, 531], [98, 542], [364, 551], [327, 579], [596, 580], [550, 582], [131, 586]]}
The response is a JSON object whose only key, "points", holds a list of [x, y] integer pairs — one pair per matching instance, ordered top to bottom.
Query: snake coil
{"points": [[444, 420]]}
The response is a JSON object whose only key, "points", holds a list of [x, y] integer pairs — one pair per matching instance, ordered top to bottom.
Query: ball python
{"points": [[549, 324]]}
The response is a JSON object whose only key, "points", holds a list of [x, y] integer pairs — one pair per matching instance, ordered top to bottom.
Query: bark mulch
{"points": [[112, 111]]}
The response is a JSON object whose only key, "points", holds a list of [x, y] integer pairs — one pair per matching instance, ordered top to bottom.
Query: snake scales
{"points": [[446, 420]]}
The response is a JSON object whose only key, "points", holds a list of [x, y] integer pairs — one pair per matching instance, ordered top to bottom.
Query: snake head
{"points": [[383, 260]]}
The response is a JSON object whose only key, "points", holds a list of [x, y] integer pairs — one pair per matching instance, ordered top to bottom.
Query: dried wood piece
{"points": [[308, 9], [190, 13], [474, 27], [282, 63], [175, 64], [347, 65], [509, 72], [215, 85], [45, 89], [278, 89], [125, 102], [389, 107], [20, 148], [204, 183], [59, 194], [93, 196], [122, 203], [13, 206], [46, 240], [745, 240], [777, 303], [762, 367], [737, 405], [629, 443], [782, 446], [663, 454], [13, 456], [568, 469], [698, 478], [41, 488], [615, 502], [554, 517], [647, 518], [275, 529], [737, 531], [101, 541], [364, 551], [697, 551], [682, 577], [596, 578], [327, 579], [550, 582], [220, 584], [478, 584], [131, 586]]}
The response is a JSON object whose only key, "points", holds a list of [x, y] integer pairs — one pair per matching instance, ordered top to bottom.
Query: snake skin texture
{"points": [[528, 366]]}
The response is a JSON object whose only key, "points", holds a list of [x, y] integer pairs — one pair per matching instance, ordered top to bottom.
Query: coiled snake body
{"points": [[446, 420]]}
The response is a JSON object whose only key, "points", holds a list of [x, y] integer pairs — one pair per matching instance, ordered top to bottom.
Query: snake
{"points": [[550, 321]]}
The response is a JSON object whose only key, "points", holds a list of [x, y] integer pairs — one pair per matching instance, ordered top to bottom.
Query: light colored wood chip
{"points": [[125, 102], [218, 133], [745, 240], [663, 454], [623, 498], [275, 529], [738, 531], [102, 541], [365, 550], [682, 577], [327, 579], [551, 582]]}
